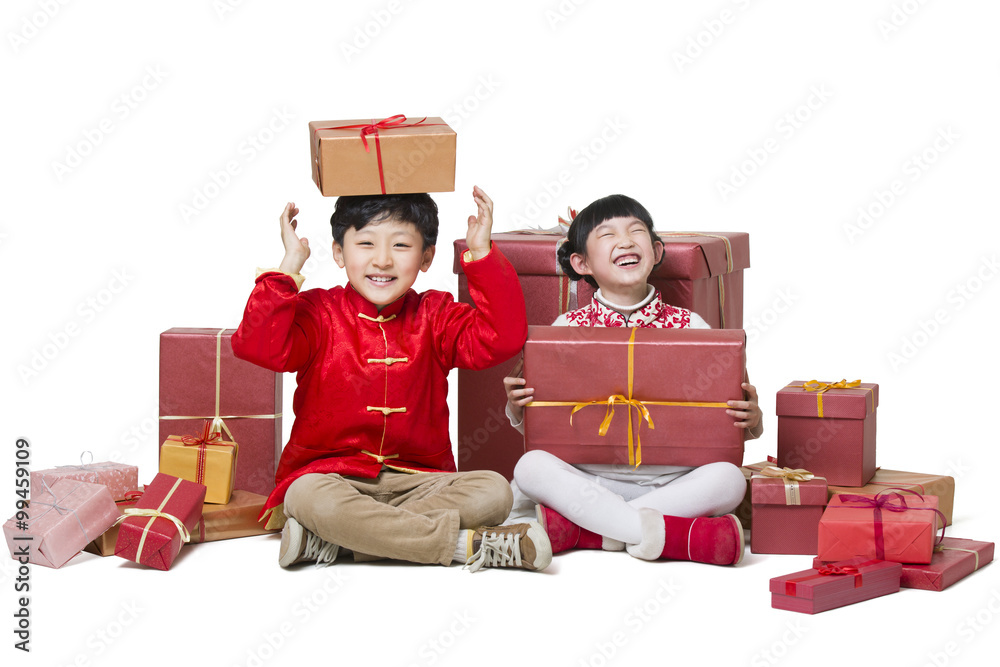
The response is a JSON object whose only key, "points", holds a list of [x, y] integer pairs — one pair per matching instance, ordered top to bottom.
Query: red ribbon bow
{"points": [[390, 123], [208, 437], [892, 502], [837, 570]]}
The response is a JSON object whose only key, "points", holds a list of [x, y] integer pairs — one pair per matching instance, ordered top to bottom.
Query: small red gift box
{"points": [[388, 156], [702, 272], [201, 379], [631, 396], [828, 428], [120, 478], [942, 486], [787, 506], [61, 519], [888, 526], [153, 531], [953, 559], [835, 585]]}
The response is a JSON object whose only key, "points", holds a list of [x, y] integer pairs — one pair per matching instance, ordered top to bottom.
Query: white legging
{"points": [[611, 507]]}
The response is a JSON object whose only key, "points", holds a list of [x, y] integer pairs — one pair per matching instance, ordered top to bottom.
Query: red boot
{"points": [[565, 535], [715, 540]]}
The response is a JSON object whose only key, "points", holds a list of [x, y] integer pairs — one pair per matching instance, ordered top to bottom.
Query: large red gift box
{"points": [[702, 272], [682, 377], [201, 379], [828, 428], [120, 478], [787, 506], [61, 519], [888, 526], [153, 531], [953, 559], [835, 585]]}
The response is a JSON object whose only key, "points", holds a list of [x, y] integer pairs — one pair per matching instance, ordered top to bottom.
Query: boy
{"points": [[369, 465]]}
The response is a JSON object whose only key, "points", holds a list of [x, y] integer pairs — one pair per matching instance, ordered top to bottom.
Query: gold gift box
{"points": [[219, 472]]}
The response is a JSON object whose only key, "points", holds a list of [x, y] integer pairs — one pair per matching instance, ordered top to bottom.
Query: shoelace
{"points": [[319, 550], [496, 551]]}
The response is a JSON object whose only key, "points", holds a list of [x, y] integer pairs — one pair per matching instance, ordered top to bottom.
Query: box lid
{"points": [[688, 255], [803, 398], [778, 491], [836, 578]]}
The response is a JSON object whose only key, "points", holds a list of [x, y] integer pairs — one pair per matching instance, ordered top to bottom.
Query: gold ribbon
{"points": [[822, 387], [217, 419], [634, 451], [792, 477], [158, 513], [971, 551]]}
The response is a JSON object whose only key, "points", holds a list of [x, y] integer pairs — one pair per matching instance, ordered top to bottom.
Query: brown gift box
{"points": [[389, 156], [701, 273], [683, 377], [201, 379], [218, 466], [942, 486], [237, 518]]}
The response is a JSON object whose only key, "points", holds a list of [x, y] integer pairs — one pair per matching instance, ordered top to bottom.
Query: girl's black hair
{"points": [[612, 206], [360, 210]]}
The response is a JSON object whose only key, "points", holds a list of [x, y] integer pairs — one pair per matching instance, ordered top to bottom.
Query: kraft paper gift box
{"points": [[388, 156], [702, 272], [682, 377], [201, 379], [828, 428], [205, 459], [120, 478], [942, 486], [787, 507], [237, 518], [61, 519], [889, 526], [154, 530], [953, 559], [835, 585]]}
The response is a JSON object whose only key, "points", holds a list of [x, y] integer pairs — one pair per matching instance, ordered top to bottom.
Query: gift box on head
{"points": [[394, 155], [829, 428]]}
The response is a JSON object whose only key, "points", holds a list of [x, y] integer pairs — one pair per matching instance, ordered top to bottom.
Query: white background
{"points": [[100, 257]]}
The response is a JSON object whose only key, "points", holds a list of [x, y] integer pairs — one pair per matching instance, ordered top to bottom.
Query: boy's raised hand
{"points": [[480, 226], [296, 249]]}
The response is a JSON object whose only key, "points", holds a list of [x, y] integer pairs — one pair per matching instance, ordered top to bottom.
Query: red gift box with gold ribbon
{"points": [[701, 271], [633, 396], [828, 428], [787, 505], [153, 531], [835, 585]]}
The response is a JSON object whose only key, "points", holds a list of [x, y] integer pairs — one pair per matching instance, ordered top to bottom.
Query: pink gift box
{"points": [[831, 432], [120, 478], [786, 514], [61, 519], [889, 526], [953, 559], [836, 585]]}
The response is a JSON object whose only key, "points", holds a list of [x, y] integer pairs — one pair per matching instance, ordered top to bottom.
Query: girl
{"points": [[653, 512]]}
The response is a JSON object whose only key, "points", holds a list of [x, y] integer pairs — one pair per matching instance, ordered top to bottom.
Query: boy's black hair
{"points": [[612, 206], [359, 210]]}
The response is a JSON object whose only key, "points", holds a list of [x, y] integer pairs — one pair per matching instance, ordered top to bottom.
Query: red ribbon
{"points": [[390, 123], [208, 437], [130, 498], [886, 502], [833, 570]]}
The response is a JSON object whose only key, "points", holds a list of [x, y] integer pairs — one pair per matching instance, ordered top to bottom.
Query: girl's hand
{"points": [[478, 236], [296, 249], [517, 394], [747, 413]]}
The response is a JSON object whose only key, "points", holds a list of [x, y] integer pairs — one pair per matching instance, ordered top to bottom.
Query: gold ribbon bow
{"points": [[822, 387], [792, 477]]}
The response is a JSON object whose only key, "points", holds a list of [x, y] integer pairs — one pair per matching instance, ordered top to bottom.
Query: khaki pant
{"points": [[412, 517]]}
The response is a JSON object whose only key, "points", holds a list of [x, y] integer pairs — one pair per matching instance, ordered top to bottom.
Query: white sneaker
{"points": [[298, 545], [523, 545]]}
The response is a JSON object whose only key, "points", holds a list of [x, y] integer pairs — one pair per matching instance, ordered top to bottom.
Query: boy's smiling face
{"points": [[620, 256], [383, 259]]}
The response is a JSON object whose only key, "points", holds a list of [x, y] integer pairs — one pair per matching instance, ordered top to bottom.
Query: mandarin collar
{"points": [[363, 306], [642, 313]]}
